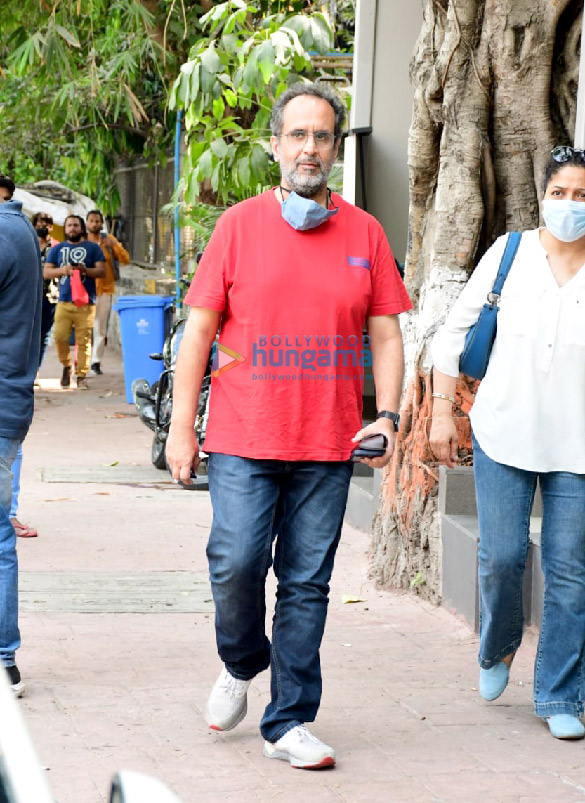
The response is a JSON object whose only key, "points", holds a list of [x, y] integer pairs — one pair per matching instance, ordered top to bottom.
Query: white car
{"points": [[22, 779]]}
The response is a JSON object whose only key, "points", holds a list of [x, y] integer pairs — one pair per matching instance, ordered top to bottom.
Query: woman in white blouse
{"points": [[528, 424]]}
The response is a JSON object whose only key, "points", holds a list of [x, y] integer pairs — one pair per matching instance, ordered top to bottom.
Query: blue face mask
{"points": [[303, 213], [564, 219]]}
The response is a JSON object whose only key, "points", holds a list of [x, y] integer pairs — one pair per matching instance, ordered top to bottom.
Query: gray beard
{"points": [[305, 185]]}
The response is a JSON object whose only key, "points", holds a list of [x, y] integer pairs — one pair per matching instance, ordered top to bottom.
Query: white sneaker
{"points": [[15, 680], [228, 702], [299, 747]]}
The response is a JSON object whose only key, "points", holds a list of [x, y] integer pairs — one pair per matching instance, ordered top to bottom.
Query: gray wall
{"points": [[398, 24], [385, 40]]}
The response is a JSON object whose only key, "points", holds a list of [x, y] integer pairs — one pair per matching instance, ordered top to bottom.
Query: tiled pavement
{"points": [[124, 685]]}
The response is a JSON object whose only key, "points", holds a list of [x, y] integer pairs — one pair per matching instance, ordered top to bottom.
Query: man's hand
{"points": [[108, 241], [67, 270], [382, 426], [444, 440], [182, 452]]}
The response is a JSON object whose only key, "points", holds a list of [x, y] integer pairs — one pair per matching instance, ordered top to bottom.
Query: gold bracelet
{"points": [[444, 396]]}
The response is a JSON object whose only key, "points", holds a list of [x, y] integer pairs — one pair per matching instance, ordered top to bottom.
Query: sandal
{"points": [[23, 530]]}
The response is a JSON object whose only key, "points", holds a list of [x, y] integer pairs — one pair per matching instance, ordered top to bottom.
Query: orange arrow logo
{"points": [[224, 359]]}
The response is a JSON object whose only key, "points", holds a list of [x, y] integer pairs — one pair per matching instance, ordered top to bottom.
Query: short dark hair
{"points": [[317, 90], [553, 167], [7, 183], [95, 212], [42, 216], [81, 221]]}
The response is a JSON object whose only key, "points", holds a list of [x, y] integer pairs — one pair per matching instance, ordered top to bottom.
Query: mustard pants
{"points": [[67, 315]]}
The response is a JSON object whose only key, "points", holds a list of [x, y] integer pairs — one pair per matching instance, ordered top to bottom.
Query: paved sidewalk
{"points": [[119, 656]]}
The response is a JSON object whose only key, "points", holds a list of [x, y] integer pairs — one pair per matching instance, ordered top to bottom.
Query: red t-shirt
{"points": [[290, 360]]}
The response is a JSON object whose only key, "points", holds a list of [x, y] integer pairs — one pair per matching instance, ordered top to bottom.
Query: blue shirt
{"points": [[67, 253], [21, 290]]}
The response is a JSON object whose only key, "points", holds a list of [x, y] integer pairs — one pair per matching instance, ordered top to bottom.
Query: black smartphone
{"points": [[370, 446]]}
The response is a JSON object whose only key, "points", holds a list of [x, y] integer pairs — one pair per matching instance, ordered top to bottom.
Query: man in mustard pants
{"points": [[75, 253]]}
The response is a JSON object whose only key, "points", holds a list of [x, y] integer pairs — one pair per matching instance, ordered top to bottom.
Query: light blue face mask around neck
{"points": [[303, 213], [564, 219]]}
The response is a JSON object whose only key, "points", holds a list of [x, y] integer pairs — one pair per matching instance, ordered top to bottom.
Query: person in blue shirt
{"points": [[7, 188], [75, 253], [21, 292]]}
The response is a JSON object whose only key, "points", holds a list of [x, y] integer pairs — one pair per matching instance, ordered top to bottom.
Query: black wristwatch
{"points": [[394, 417]]}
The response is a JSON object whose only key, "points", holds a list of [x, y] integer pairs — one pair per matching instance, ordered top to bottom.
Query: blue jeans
{"points": [[16, 469], [504, 502], [300, 507], [9, 634]]}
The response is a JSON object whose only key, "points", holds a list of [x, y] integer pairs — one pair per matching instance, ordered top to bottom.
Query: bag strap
{"points": [[107, 247], [510, 250]]}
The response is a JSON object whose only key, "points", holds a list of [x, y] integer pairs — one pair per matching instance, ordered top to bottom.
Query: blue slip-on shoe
{"points": [[492, 682], [565, 726]]}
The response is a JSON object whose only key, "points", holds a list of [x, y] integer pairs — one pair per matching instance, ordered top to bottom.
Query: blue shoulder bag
{"points": [[480, 338]]}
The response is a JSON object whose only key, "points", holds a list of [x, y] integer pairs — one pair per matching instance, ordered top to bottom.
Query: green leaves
{"points": [[313, 31], [68, 36], [25, 55], [265, 60], [243, 63], [210, 65], [95, 75], [105, 76], [231, 97], [219, 148], [244, 171]]}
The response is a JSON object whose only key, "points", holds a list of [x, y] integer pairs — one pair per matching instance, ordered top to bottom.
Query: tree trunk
{"points": [[494, 90]]}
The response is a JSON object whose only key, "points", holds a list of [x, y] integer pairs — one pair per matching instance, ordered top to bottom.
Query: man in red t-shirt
{"points": [[289, 278]]}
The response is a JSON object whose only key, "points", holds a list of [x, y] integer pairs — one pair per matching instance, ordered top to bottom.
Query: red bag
{"points": [[79, 294]]}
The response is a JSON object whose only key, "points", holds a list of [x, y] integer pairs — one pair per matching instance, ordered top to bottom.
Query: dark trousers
{"points": [[47, 318]]}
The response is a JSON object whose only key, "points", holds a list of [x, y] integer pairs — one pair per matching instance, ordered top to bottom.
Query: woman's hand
{"points": [[444, 440]]}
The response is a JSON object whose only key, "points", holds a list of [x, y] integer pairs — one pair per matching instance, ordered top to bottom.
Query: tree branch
{"points": [[119, 126]]}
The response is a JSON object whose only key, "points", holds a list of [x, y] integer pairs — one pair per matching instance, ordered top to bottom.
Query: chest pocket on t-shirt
{"points": [[519, 314]]}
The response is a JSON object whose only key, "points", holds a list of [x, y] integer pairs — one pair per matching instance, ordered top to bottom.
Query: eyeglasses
{"points": [[322, 139], [564, 153]]}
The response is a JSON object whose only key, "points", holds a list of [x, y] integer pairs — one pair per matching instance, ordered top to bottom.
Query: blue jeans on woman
{"points": [[504, 502], [300, 506], [9, 633]]}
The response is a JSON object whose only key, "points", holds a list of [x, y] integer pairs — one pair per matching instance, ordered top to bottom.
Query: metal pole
{"points": [[579, 141], [155, 216], [177, 229]]}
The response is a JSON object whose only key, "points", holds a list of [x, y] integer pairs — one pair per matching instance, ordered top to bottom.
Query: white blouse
{"points": [[529, 410]]}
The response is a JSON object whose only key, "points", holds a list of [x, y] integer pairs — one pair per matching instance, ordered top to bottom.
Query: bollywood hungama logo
{"points": [[311, 353]]}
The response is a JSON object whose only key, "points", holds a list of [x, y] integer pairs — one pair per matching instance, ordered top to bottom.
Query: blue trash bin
{"points": [[144, 323]]}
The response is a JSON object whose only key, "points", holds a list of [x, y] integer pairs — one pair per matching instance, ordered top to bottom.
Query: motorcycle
{"points": [[155, 405]]}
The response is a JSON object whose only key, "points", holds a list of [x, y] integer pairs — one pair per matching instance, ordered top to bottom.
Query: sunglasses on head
{"points": [[564, 153]]}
